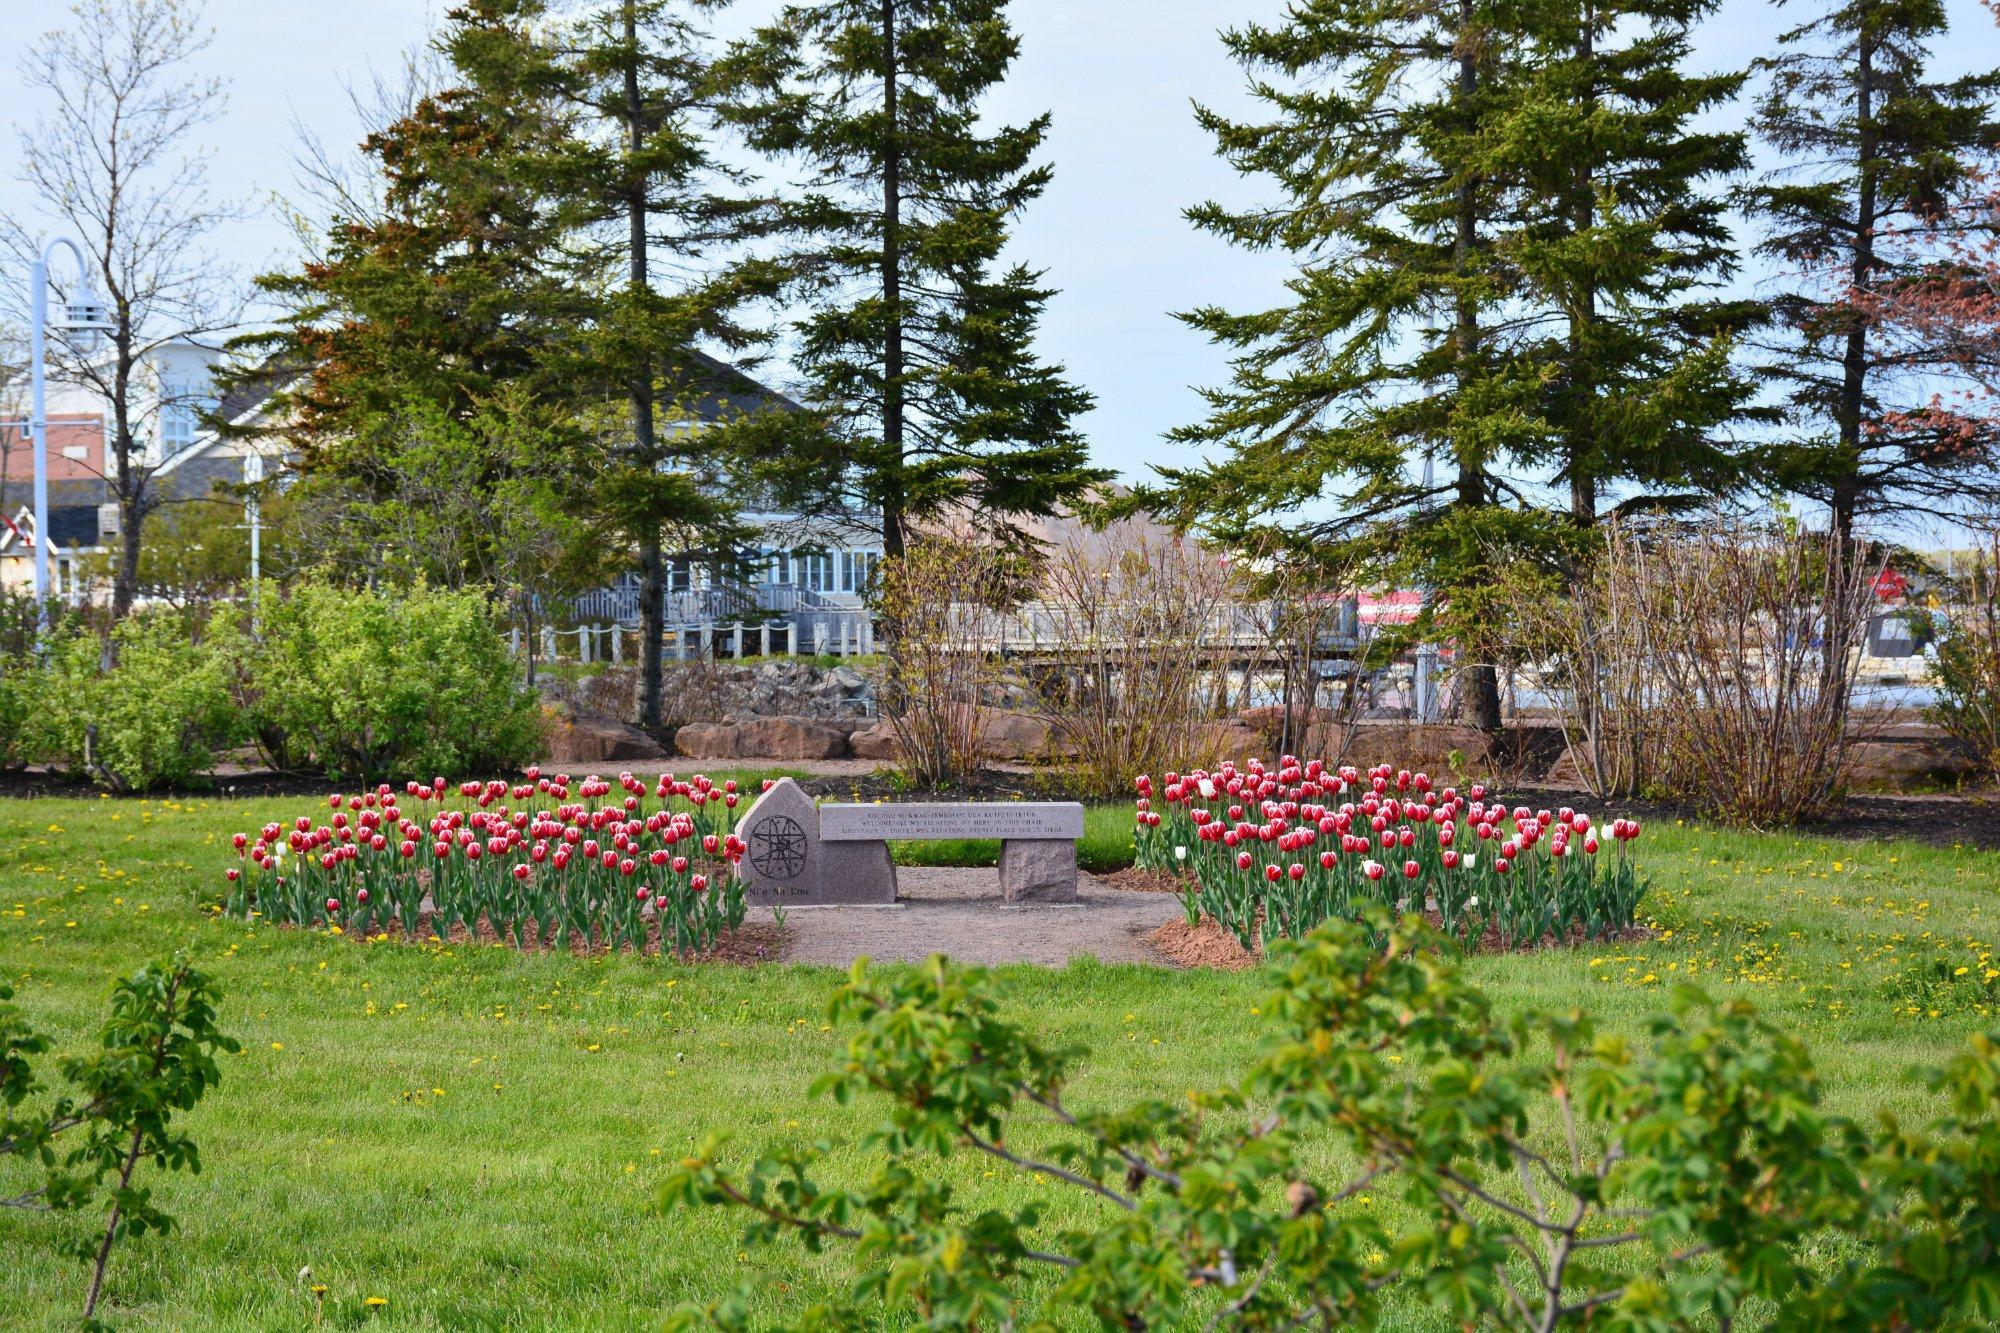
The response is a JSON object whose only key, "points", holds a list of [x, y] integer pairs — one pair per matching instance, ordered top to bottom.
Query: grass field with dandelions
{"points": [[471, 1137]]}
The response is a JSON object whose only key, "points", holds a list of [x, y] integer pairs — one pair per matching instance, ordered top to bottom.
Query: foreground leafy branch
{"points": [[156, 1056], [1534, 1173]]}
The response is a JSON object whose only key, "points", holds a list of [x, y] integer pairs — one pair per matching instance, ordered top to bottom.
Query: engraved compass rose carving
{"points": [[778, 847]]}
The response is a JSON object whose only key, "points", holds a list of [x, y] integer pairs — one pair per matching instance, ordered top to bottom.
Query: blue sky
{"points": [[1118, 76]]}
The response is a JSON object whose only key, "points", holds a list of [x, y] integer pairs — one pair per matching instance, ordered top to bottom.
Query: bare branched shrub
{"points": [[939, 603], [1139, 615], [1757, 635], [1596, 643], [1967, 669]]}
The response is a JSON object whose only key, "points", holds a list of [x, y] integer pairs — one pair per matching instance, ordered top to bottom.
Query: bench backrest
{"points": [[1047, 820]]}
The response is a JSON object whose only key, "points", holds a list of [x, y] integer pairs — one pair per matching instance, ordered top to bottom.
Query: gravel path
{"points": [[958, 911]]}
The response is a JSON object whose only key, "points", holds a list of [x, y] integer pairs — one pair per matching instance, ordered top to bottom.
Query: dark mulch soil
{"points": [[30, 783], [882, 785], [886, 785], [1939, 821], [1135, 880]]}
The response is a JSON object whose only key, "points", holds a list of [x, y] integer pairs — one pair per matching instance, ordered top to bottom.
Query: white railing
{"points": [[840, 632]]}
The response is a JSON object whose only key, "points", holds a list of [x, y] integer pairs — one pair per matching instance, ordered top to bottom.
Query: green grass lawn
{"points": [[474, 1135]]}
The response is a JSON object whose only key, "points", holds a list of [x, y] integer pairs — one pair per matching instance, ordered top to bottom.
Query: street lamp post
{"points": [[84, 315]]}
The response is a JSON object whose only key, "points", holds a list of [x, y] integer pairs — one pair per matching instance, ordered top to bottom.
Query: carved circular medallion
{"points": [[778, 847]]}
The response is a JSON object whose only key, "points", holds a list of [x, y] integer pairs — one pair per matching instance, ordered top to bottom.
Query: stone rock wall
{"points": [[713, 691]]}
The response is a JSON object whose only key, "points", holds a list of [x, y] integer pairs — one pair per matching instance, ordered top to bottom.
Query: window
{"points": [[181, 406], [815, 571]]}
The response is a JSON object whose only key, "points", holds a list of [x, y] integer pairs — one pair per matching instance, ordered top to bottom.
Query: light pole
{"points": [[87, 315], [253, 473], [1423, 675]]}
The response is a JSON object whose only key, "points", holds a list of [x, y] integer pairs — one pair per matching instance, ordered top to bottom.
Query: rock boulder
{"points": [[580, 736]]}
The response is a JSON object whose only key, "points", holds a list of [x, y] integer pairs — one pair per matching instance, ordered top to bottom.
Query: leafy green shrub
{"points": [[17, 669], [370, 684], [157, 718], [156, 1057], [1529, 1174]]}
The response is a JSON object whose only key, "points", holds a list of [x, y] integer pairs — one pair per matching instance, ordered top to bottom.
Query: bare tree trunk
{"points": [[129, 482], [1582, 482], [1845, 497], [893, 536], [652, 557], [1482, 684]]}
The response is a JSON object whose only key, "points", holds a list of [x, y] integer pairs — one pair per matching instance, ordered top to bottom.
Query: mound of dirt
{"points": [[1134, 880], [1203, 945]]}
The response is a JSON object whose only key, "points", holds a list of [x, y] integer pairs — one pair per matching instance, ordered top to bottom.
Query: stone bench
{"points": [[802, 854]]}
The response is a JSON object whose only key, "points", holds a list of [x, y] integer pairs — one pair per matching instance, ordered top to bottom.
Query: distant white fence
{"points": [[841, 633]]}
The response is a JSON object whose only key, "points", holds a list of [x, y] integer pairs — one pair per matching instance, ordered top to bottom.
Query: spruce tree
{"points": [[1874, 150], [660, 219], [1623, 238], [444, 280], [918, 344], [1381, 407]]}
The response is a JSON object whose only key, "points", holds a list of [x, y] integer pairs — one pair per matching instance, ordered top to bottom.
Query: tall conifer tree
{"points": [[1874, 149], [661, 216], [1624, 235], [443, 280], [431, 325], [919, 341], [1381, 403]]}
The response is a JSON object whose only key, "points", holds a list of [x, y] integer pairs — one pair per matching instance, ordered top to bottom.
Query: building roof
{"points": [[250, 391], [728, 392], [71, 528]]}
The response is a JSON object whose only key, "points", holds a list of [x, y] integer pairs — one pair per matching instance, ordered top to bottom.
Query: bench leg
{"points": [[1038, 870]]}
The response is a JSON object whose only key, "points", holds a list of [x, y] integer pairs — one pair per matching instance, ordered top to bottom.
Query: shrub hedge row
{"points": [[359, 684]]}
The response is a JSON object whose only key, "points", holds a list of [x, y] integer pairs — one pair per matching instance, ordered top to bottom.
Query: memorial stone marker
{"points": [[802, 854], [786, 862]]}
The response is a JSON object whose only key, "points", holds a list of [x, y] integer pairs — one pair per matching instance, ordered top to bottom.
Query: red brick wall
{"points": [[65, 432]]}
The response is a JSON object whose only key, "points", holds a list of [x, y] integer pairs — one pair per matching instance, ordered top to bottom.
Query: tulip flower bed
{"points": [[1269, 854], [542, 861]]}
